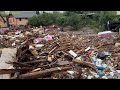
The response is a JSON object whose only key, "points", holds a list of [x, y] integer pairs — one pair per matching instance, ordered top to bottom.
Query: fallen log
{"points": [[36, 61], [84, 63], [19, 64], [10, 71], [46, 72]]}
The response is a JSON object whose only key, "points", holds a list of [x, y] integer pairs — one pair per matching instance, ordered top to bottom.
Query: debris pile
{"points": [[52, 54]]}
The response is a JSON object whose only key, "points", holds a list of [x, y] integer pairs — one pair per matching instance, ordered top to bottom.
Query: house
{"points": [[118, 12], [20, 17], [3, 19]]}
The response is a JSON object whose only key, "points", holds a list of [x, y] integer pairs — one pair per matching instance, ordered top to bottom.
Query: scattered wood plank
{"points": [[53, 49], [35, 61], [62, 63], [84, 63], [19, 64], [10, 71], [46, 72]]}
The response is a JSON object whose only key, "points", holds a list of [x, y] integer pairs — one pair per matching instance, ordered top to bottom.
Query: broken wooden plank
{"points": [[53, 49], [7, 56], [35, 61], [62, 63], [84, 63], [19, 64], [10, 71], [46, 72]]}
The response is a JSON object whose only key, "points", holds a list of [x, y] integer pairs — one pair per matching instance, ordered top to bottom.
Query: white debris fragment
{"points": [[87, 49], [73, 53], [7, 56], [78, 58], [58, 68], [118, 71], [71, 72], [112, 74], [90, 77], [104, 77]]}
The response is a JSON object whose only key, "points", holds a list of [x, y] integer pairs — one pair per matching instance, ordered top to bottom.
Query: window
{"points": [[19, 19]]}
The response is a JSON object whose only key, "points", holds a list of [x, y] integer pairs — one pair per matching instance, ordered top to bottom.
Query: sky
{"points": [[40, 11], [118, 12]]}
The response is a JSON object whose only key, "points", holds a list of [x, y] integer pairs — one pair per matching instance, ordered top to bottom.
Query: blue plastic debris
{"points": [[100, 67], [100, 73]]}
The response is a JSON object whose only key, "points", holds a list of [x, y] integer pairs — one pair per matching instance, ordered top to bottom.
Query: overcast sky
{"points": [[39, 11], [118, 12]]}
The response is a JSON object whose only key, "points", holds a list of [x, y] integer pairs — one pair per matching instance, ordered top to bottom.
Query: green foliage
{"points": [[76, 19], [33, 21]]}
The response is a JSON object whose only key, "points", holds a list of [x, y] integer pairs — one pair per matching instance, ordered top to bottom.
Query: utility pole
{"points": [[37, 12], [10, 13]]}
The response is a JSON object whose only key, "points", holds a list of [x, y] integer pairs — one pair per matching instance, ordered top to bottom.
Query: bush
{"points": [[74, 19], [33, 21]]}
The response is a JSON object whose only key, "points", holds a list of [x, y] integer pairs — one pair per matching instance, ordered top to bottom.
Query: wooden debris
{"points": [[62, 63], [84, 63], [19, 64], [10, 71], [46, 72]]}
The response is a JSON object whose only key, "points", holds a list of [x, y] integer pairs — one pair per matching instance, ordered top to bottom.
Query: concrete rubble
{"points": [[51, 53], [8, 54]]}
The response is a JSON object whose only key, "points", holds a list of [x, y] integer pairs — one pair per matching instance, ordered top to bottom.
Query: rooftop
{"points": [[2, 13], [23, 14]]}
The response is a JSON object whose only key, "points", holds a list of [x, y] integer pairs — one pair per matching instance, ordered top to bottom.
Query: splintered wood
{"points": [[52, 58], [43, 73]]}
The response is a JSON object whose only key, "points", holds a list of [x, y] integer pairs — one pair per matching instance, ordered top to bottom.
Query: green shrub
{"points": [[74, 19]]}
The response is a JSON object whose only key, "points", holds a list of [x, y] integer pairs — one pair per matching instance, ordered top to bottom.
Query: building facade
{"points": [[20, 17], [3, 19]]}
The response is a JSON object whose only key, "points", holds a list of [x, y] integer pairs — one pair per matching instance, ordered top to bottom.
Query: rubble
{"points": [[51, 53], [6, 56]]}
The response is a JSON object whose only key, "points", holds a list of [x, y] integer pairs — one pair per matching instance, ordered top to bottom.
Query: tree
{"points": [[37, 12], [74, 19], [33, 21]]}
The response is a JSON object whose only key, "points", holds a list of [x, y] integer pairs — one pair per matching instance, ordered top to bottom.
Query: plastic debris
{"points": [[105, 34], [49, 37], [38, 40], [117, 44], [38, 46], [87, 49], [33, 51], [51, 53], [73, 53], [101, 55], [100, 67], [71, 72], [100, 73], [90, 77]]}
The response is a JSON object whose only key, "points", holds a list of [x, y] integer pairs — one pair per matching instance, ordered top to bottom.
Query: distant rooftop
{"points": [[118, 12], [2, 13], [23, 14], [88, 14]]}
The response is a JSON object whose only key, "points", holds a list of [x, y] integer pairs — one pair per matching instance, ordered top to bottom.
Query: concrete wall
{"points": [[12, 21], [17, 21], [23, 21], [2, 23]]}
